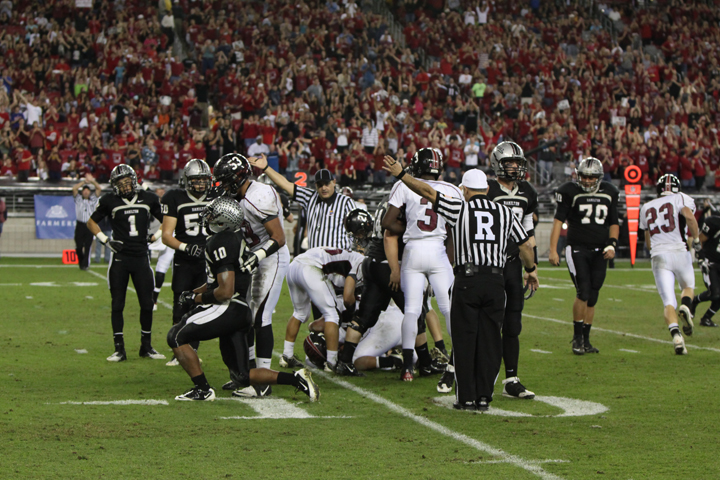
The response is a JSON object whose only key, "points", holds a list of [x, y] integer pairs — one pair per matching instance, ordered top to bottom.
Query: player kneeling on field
{"points": [[219, 311]]}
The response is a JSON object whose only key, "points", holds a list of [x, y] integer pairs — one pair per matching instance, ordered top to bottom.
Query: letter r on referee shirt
{"points": [[484, 222]]}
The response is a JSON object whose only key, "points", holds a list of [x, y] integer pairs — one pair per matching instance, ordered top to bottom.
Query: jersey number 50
{"points": [[601, 212]]}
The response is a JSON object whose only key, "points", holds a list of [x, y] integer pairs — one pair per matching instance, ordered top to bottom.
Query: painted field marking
{"points": [[10, 284], [29, 297], [88, 297], [559, 299], [161, 302], [62, 332], [623, 334], [81, 350], [626, 350], [539, 351], [119, 402], [570, 407], [271, 408], [532, 466]]}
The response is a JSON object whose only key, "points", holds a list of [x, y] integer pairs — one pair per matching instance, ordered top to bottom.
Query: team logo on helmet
{"points": [[232, 171], [668, 184]]}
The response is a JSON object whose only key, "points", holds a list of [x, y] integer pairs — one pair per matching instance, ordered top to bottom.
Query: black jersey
{"points": [[522, 200], [179, 204], [588, 215], [130, 219], [711, 229], [376, 247], [226, 251]]}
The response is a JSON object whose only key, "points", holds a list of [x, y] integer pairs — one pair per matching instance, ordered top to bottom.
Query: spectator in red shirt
{"points": [[23, 160], [454, 160], [166, 162]]}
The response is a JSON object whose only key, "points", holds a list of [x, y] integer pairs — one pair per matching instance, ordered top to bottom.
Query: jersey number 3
{"points": [[601, 212], [668, 214], [428, 226]]}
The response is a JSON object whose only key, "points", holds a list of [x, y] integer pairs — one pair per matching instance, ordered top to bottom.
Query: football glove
{"points": [[150, 238], [115, 245], [697, 246], [195, 250], [251, 263], [187, 299]]}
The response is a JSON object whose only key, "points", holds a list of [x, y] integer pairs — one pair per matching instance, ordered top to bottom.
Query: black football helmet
{"points": [[503, 152], [427, 161], [232, 171], [120, 172], [196, 177], [668, 184], [359, 224], [316, 348]]}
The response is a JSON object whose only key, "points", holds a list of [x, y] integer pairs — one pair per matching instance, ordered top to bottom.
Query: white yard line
{"points": [[161, 302], [624, 334]]}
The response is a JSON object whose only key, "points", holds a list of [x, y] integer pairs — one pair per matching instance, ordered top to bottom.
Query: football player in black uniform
{"points": [[510, 189], [590, 208], [182, 209], [130, 212], [710, 265], [219, 311]]}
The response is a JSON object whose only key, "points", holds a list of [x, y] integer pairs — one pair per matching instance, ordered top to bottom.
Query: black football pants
{"points": [[83, 242], [121, 269], [186, 276]]}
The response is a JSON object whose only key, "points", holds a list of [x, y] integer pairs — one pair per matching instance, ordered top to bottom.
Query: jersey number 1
{"points": [[133, 230]]}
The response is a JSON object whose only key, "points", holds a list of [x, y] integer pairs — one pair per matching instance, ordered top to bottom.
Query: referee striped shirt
{"points": [[84, 208], [325, 218], [481, 229]]}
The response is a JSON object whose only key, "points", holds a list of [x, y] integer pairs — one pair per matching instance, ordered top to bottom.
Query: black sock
{"points": [[704, 296], [687, 301], [578, 327], [674, 331], [586, 332], [145, 338], [119, 341], [264, 342], [440, 345], [348, 352], [423, 353], [511, 355], [408, 358], [388, 362], [252, 364], [285, 378], [201, 382]]}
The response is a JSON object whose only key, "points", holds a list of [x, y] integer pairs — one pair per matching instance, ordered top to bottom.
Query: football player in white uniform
{"points": [[664, 220], [425, 255], [269, 259]]}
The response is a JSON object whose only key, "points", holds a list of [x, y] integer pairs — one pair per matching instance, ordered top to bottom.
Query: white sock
{"points": [[289, 349], [251, 353], [331, 356], [264, 362], [377, 362]]}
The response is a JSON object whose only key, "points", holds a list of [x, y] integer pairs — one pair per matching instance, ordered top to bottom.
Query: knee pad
{"points": [[592, 300], [512, 325], [357, 327]]}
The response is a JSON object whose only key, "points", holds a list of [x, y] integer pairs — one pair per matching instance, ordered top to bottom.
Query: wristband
{"points": [[266, 167], [400, 175], [102, 238], [612, 242], [270, 246], [183, 247], [535, 254], [531, 270], [208, 297]]}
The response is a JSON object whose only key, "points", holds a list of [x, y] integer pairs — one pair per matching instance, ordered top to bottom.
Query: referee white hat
{"points": [[474, 180]]}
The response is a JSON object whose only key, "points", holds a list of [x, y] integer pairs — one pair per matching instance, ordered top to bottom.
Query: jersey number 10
{"points": [[601, 212]]}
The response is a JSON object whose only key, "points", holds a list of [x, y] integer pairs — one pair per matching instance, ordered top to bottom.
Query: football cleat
{"points": [[686, 319], [707, 322], [577, 345], [679, 345], [589, 348], [150, 352], [440, 355], [118, 356], [397, 359], [173, 362], [291, 362], [328, 367], [434, 368], [347, 369], [407, 375], [306, 385], [445, 385], [230, 386], [512, 388], [253, 391], [197, 394], [482, 405], [465, 406]]}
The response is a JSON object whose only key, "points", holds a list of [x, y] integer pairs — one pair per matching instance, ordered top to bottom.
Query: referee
{"points": [[85, 203], [325, 209], [481, 232]]}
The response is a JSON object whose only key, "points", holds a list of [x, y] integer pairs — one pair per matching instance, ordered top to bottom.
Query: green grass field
{"points": [[644, 413]]}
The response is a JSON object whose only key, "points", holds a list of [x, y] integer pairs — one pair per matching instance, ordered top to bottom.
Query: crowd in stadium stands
{"points": [[324, 84]]}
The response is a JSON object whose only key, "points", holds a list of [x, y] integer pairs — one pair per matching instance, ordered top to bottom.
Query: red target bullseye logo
{"points": [[633, 174]]}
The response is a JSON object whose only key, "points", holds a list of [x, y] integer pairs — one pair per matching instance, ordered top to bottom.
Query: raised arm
{"points": [[394, 167], [277, 178]]}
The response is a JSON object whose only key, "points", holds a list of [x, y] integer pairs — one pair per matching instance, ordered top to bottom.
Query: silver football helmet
{"points": [[506, 152], [589, 174], [117, 175], [196, 177], [222, 214]]}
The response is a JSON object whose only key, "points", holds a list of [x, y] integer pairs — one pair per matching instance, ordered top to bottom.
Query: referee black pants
{"points": [[83, 242], [476, 318]]}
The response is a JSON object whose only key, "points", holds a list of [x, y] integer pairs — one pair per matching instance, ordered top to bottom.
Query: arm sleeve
{"points": [[302, 196], [449, 208], [102, 210]]}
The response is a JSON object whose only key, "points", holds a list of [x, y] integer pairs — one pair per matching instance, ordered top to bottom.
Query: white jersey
{"points": [[260, 204], [423, 223], [666, 224], [333, 261]]}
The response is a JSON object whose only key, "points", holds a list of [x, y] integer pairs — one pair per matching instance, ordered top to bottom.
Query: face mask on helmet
{"points": [[508, 161], [232, 171], [589, 175], [124, 181], [199, 185], [359, 224]]}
